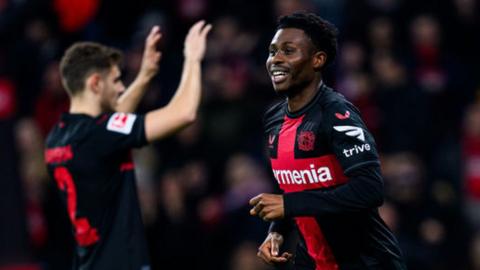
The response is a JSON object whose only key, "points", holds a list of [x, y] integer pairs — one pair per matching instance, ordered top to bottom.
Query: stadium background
{"points": [[410, 66]]}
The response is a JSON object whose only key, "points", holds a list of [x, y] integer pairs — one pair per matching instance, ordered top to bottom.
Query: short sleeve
{"points": [[119, 131], [351, 142]]}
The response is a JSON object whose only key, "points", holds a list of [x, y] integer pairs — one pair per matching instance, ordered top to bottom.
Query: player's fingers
{"points": [[195, 29], [205, 30], [155, 31], [156, 38], [158, 56], [255, 200], [256, 210], [252, 211], [274, 246], [264, 253], [287, 255], [264, 259], [279, 260]]}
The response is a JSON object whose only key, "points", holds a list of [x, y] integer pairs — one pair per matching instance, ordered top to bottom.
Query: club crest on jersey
{"points": [[121, 122], [306, 140]]}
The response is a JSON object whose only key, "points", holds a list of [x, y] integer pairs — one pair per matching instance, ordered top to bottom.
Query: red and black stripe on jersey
{"points": [[90, 160], [325, 161]]}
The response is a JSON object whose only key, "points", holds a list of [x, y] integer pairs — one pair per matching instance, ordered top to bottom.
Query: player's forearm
{"points": [[130, 99], [186, 100], [181, 110], [363, 191]]}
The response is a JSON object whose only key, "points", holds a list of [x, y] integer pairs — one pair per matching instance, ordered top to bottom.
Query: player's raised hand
{"points": [[195, 42], [151, 55], [267, 206], [270, 248]]}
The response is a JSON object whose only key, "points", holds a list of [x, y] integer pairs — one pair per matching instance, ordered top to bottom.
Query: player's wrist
{"points": [[193, 59], [145, 76]]}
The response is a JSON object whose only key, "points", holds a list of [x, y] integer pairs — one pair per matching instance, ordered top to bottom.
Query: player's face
{"points": [[290, 60], [112, 89]]}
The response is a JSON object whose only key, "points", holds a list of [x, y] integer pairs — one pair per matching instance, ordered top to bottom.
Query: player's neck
{"points": [[298, 99], [81, 105]]}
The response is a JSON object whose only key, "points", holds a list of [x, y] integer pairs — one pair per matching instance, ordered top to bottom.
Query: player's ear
{"points": [[319, 60], [93, 82]]}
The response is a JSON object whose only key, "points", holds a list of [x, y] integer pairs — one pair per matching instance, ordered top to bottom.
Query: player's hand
{"points": [[195, 42], [151, 55], [268, 207], [270, 248]]}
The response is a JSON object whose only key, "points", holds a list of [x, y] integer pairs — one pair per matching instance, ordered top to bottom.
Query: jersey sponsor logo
{"points": [[343, 116], [121, 122], [352, 131], [271, 140], [306, 140], [356, 150], [58, 154], [299, 177]]}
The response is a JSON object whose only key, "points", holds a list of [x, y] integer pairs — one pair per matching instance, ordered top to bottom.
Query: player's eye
{"points": [[288, 50], [272, 52]]}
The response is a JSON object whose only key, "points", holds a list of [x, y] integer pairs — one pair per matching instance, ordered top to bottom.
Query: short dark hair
{"points": [[322, 33], [83, 58]]}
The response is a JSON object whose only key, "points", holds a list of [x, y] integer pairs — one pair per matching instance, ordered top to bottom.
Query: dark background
{"points": [[411, 67]]}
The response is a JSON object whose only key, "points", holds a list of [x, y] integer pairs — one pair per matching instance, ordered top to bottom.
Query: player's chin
{"points": [[280, 88]]}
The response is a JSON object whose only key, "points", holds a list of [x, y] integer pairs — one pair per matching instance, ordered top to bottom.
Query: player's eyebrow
{"points": [[287, 42], [275, 45]]}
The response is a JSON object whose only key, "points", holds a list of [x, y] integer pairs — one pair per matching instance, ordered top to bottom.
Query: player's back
{"points": [[92, 167]]}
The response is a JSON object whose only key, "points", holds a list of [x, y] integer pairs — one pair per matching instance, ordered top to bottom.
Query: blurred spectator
{"points": [[75, 15], [53, 100], [403, 110], [471, 161], [474, 255]]}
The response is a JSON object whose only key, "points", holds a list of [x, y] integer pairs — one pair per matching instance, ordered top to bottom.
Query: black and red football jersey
{"points": [[90, 160], [325, 161]]}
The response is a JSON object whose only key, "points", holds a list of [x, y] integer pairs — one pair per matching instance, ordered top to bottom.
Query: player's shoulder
{"points": [[332, 100], [335, 104], [275, 111], [69, 128]]}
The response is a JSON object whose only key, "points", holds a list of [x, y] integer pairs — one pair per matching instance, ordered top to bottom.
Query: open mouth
{"points": [[279, 76]]}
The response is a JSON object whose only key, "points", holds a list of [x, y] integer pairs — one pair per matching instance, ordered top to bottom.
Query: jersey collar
{"points": [[305, 108]]}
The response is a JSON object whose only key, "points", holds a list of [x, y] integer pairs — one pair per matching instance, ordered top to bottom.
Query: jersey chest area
{"points": [[301, 156]]}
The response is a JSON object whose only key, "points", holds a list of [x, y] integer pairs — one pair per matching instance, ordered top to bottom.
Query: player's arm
{"points": [[130, 99], [182, 109], [364, 190]]}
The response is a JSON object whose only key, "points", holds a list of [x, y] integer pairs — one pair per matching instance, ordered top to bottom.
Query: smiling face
{"points": [[291, 61]]}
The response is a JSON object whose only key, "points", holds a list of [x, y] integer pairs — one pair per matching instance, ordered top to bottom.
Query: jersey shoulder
{"points": [[333, 101], [337, 109], [274, 113], [74, 128]]}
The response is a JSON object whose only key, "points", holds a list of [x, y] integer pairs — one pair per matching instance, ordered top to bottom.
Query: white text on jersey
{"points": [[308, 176]]}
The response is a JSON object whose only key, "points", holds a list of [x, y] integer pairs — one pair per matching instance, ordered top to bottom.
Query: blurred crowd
{"points": [[411, 67]]}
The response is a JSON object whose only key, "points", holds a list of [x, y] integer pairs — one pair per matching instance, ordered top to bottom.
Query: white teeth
{"points": [[278, 73]]}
